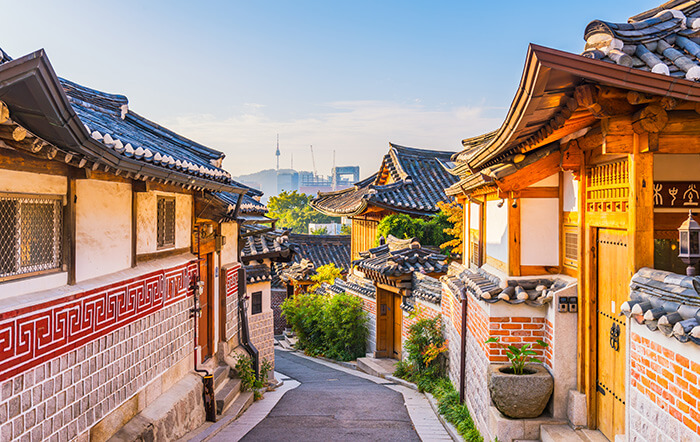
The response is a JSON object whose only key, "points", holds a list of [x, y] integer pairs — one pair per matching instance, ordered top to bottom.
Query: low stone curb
{"points": [[345, 364], [403, 382], [451, 429]]}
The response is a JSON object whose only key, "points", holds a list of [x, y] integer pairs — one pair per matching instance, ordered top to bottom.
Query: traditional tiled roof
{"points": [[663, 40], [99, 127], [409, 181], [251, 205], [271, 245], [322, 249], [386, 262], [298, 271], [257, 273], [356, 284], [426, 288], [665, 302]]}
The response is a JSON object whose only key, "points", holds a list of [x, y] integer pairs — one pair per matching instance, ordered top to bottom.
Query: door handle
{"points": [[615, 336]]}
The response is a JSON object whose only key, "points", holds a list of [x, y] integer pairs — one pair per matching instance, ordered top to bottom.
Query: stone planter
{"points": [[520, 396]]}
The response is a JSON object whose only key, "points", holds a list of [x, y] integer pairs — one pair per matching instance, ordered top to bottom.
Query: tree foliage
{"points": [[294, 212], [455, 216], [345, 229], [320, 231], [429, 232], [326, 273]]}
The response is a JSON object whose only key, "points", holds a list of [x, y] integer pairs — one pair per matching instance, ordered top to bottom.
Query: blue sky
{"points": [[348, 76]]}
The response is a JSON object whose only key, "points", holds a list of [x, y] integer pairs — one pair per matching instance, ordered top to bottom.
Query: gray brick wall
{"points": [[261, 333], [63, 397], [648, 422]]}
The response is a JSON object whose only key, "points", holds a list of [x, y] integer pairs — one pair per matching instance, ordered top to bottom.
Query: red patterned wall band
{"points": [[232, 279], [32, 335]]}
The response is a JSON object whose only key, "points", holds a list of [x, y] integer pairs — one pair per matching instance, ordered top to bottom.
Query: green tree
{"points": [[294, 212], [345, 229], [320, 231], [429, 232], [326, 273]]}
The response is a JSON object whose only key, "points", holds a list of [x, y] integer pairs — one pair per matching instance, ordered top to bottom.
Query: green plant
{"points": [[293, 211], [455, 216], [345, 229], [320, 231], [429, 232], [325, 273], [333, 326], [426, 345], [519, 356], [246, 372]]}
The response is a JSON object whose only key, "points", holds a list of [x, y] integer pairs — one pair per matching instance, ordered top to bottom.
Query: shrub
{"points": [[428, 232], [333, 326], [425, 346], [244, 369]]}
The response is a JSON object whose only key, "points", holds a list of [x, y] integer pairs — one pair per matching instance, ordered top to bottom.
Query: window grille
{"points": [[166, 222], [30, 234], [570, 247], [475, 248], [256, 306]]}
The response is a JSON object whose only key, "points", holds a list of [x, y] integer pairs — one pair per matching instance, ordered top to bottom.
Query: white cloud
{"points": [[359, 132]]}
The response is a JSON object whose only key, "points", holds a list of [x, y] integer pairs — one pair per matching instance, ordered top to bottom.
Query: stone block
{"points": [[18, 384], [14, 407], [577, 411]]}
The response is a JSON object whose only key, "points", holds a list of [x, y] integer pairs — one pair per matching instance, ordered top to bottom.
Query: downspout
{"points": [[243, 323], [463, 350]]}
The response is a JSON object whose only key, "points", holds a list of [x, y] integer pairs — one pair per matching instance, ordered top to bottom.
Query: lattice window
{"points": [[607, 187], [166, 222], [30, 234], [475, 245], [571, 246], [256, 303]]}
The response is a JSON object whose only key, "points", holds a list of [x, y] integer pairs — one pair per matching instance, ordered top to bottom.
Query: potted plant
{"points": [[521, 389]]}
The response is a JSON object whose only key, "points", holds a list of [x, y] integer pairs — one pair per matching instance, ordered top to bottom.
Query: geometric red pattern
{"points": [[232, 280], [32, 335]]}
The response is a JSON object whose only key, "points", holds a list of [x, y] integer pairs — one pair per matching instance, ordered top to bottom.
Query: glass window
{"points": [[166, 222], [256, 303]]}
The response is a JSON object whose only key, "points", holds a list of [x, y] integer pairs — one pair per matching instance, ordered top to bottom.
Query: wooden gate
{"points": [[612, 290], [206, 320], [389, 320], [398, 321]]}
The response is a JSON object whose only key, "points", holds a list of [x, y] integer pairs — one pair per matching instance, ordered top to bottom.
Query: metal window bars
{"points": [[166, 222], [30, 234]]}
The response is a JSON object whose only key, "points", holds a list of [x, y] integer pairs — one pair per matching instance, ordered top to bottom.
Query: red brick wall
{"points": [[369, 305], [424, 311], [477, 323], [515, 331], [549, 339], [668, 379]]}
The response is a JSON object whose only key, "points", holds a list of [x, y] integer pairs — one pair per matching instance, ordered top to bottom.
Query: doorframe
{"points": [[392, 292], [209, 323]]}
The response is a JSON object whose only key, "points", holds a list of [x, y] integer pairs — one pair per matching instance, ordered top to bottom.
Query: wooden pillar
{"points": [[69, 221], [134, 224], [640, 231], [513, 238], [467, 240], [584, 327]]}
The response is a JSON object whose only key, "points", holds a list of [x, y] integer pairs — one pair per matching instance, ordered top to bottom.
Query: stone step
{"points": [[381, 367], [220, 375], [226, 394], [241, 404], [559, 433], [592, 435]]}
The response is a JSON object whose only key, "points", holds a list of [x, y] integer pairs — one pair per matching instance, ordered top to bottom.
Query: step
{"points": [[381, 367], [220, 375], [226, 394], [241, 404], [559, 433], [592, 435]]}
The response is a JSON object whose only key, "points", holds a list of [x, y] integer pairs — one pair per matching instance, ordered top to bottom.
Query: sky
{"points": [[343, 76]]}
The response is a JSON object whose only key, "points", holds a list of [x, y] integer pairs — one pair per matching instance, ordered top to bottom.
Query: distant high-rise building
{"points": [[277, 153]]}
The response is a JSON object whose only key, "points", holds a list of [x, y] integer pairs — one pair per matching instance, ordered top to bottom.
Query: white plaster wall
{"points": [[676, 167], [550, 181], [27, 182], [570, 193], [147, 203], [474, 216], [103, 228], [497, 231], [539, 231], [229, 251], [263, 287]]}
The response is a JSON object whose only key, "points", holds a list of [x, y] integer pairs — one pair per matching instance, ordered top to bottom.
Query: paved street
{"points": [[331, 405]]}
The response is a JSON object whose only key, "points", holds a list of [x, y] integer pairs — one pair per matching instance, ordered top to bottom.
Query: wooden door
{"points": [[612, 289], [397, 315], [206, 320], [385, 338]]}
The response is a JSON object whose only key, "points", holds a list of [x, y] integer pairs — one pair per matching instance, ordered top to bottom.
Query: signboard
{"points": [[677, 194]]}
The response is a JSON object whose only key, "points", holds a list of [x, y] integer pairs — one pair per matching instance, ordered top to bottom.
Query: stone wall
{"points": [[230, 281], [278, 297], [369, 305], [262, 336], [68, 362], [664, 396]]}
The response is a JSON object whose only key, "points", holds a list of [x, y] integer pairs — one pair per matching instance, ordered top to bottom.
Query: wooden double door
{"points": [[612, 291], [389, 323], [205, 326]]}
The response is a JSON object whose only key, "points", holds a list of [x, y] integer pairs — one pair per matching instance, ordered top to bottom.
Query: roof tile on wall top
{"points": [[665, 302]]}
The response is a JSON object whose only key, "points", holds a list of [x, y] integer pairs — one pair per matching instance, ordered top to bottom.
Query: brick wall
{"points": [[231, 293], [278, 297], [424, 310], [515, 331], [262, 337], [549, 340], [67, 363], [665, 387]]}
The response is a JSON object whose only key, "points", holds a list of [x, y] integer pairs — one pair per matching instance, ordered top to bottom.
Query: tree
{"points": [[294, 212], [455, 216], [345, 229], [320, 231], [429, 232], [325, 273]]}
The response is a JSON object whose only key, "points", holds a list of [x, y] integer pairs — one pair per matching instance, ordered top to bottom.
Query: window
{"points": [[166, 222], [30, 234], [475, 244], [571, 246], [256, 306]]}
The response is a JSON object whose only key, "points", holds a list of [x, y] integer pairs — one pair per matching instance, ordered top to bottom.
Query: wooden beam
{"points": [[613, 144], [11, 159], [531, 174], [70, 222], [134, 226], [514, 239], [640, 245], [538, 270]]}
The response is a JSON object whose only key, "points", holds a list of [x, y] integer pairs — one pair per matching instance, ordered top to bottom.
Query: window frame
{"points": [[59, 237], [164, 245], [571, 263], [253, 303]]}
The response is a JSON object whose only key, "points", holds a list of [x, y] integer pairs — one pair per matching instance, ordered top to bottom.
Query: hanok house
{"points": [[590, 175], [410, 181], [101, 250], [394, 280]]}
